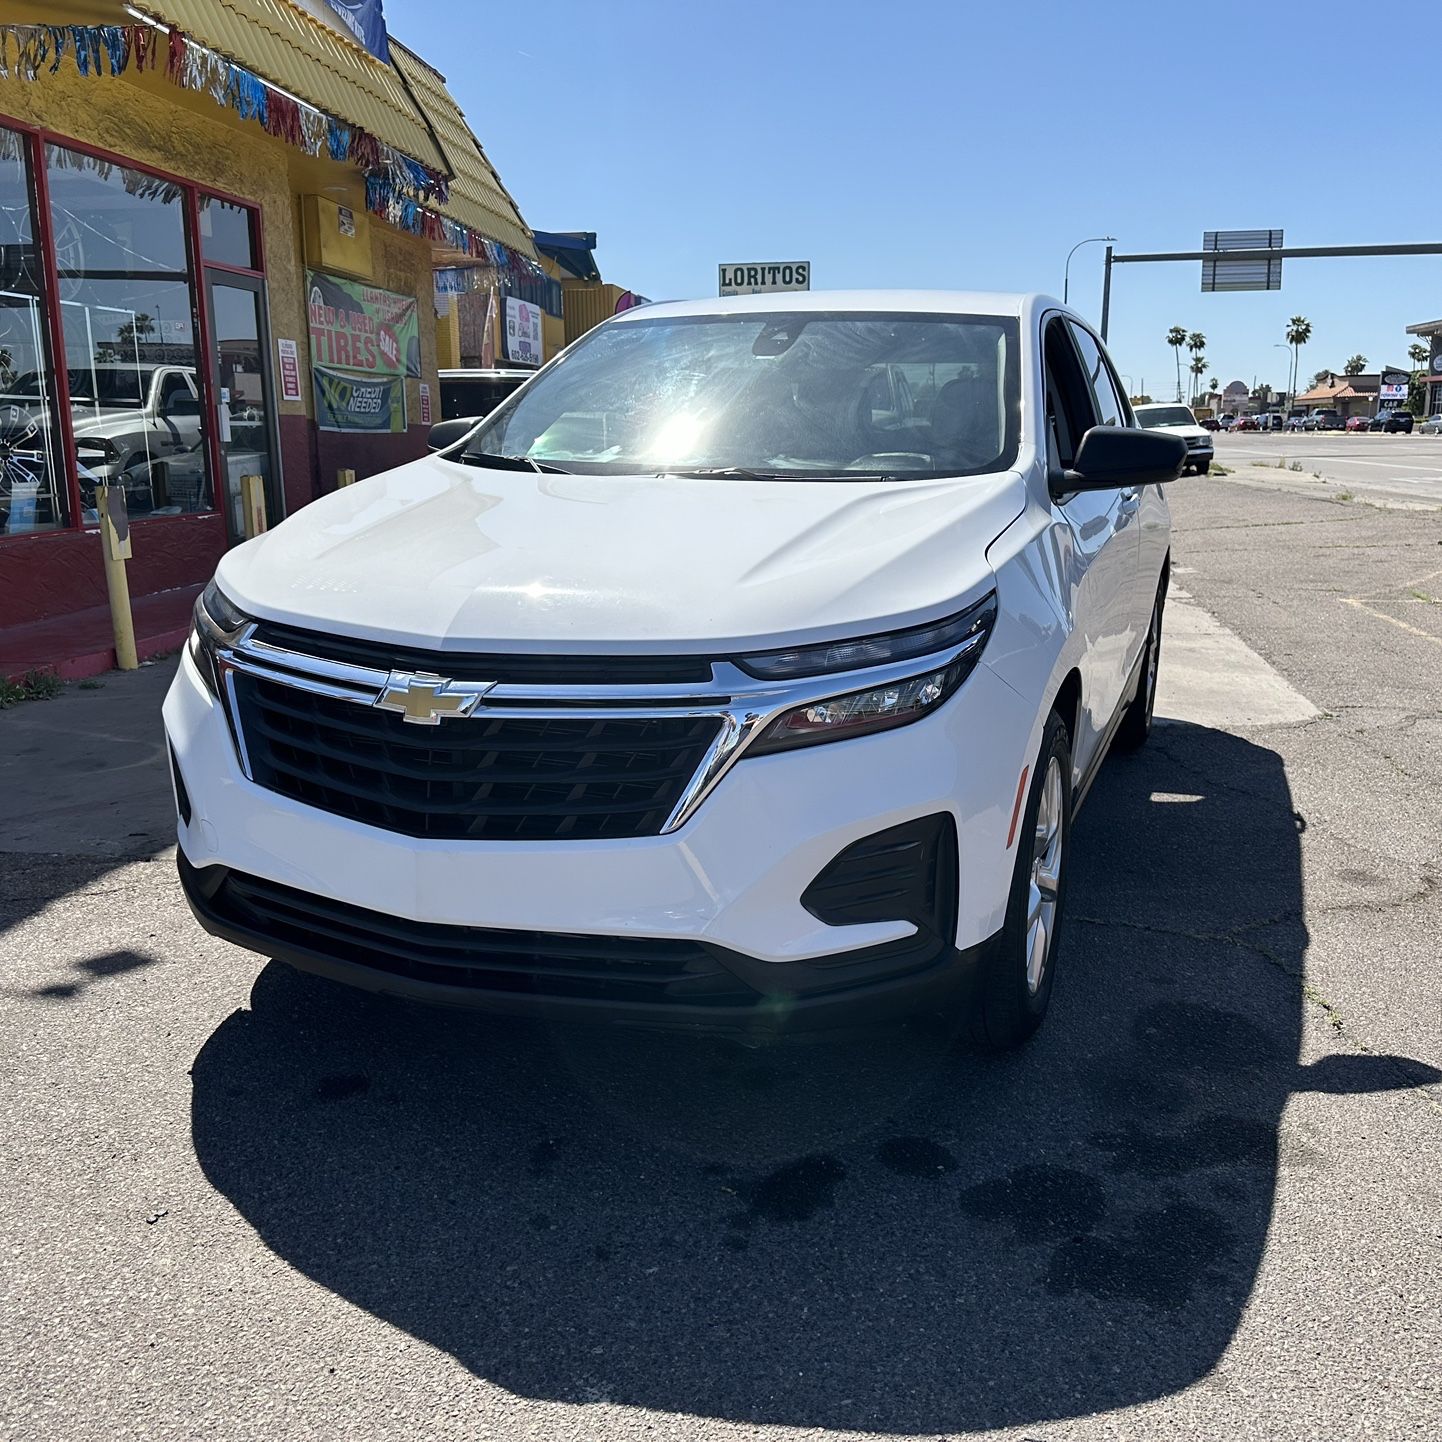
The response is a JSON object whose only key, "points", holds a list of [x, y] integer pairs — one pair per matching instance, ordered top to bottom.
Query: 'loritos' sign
{"points": [[358, 327]]}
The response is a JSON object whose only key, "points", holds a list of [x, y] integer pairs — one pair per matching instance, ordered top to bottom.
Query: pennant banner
{"points": [[27, 51], [397, 185]]}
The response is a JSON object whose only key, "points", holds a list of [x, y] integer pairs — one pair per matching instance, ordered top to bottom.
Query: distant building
{"points": [[1431, 332], [1347, 395], [1233, 400]]}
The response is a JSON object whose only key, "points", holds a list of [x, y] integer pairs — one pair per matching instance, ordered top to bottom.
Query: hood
{"points": [[89, 424], [1182, 430], [449, 556]]}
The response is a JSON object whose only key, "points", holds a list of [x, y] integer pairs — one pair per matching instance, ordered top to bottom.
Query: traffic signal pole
{"points": [[1281, 252]]}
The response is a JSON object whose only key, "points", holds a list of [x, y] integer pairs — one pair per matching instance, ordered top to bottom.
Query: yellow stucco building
{"points": [[219, 223]]}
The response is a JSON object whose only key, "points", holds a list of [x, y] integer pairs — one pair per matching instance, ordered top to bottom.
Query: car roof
{"points": [[923, 302], [126, 366], [477, 373]]}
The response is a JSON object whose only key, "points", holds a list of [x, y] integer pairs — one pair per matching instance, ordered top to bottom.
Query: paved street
{"points": [[1405, 466], [1203, 1204]]}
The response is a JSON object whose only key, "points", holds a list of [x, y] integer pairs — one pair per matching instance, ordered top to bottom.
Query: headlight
{"points": [[217, 622], [865, 651], [897, 702], [861, 712]]}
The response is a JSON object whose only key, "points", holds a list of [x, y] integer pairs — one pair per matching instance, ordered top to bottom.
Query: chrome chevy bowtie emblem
{"points": [[425, 699]]}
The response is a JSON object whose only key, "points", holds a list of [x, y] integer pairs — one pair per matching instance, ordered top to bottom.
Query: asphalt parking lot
{"points": [[1405, 466], [1204, 1203]]}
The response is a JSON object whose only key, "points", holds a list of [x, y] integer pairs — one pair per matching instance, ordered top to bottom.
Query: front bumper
{"points": [[730, 879], [620, 980]]}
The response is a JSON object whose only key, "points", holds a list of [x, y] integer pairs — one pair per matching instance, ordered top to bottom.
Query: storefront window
{"points": [[225, 233], [127, 308], [242, 394], [32, 479]]}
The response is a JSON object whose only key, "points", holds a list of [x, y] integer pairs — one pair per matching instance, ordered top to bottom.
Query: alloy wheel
{"points": [[1154, 654], [1046, 862]]}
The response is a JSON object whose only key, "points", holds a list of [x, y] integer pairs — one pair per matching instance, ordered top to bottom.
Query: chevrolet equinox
{"points": [[744, 669]]}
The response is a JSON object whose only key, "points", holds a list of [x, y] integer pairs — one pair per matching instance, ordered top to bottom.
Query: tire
{"points": [[1202, 467], [1136, 722], [1015, 980]]}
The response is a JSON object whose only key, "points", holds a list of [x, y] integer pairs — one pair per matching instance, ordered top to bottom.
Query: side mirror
{"points": [[446, 433], [1112, 457]]}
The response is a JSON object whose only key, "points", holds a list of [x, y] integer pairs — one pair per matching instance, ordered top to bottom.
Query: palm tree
{"points": [[1299, 332], [1177, 338], [1196, 343], [1417, 354], [1356, 364], [1198, 369], [1214, 385]]}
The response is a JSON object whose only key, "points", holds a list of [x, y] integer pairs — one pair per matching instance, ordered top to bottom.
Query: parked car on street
{"points": [[472, 391], [1323, 420], [1179, 421], [1271, 421], [1226, 422], [1392, 422], [1210, 423], [1247, 423], [1295, 423], [1361, 423], [1432, 426], [680, 692]]}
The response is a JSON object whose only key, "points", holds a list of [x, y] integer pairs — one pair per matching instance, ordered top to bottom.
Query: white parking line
{"points": [[1209, 676]]}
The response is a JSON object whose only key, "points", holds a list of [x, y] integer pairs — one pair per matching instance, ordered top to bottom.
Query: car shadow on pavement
{"points": [[873, 1232]]}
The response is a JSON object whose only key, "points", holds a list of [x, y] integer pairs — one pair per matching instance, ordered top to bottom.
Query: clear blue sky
{"points": [[969, 144]]}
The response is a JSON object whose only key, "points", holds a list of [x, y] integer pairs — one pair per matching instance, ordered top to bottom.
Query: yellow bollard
{"points": [[345, 477], [252, 504], [115, 547]]}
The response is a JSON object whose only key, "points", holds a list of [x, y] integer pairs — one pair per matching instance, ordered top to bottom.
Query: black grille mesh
{"points": [[490, 777]]}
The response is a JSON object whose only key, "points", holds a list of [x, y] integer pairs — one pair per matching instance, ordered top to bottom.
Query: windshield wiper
{"points": [[512, 463], [724, 473], [744, 473]]}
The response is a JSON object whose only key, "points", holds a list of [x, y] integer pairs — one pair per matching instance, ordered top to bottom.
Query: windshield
{"points": [[121, 386], [778, 395], [1166, 416]]}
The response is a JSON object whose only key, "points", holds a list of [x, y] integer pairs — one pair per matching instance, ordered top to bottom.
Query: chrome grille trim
{"points": [[742, 705]]}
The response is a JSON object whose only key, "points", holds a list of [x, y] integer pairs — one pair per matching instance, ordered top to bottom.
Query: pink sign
{"points": [[289, 370]]}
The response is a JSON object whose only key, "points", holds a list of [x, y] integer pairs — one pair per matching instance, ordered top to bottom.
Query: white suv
{"points": [[1179, 421], [744, 670]]}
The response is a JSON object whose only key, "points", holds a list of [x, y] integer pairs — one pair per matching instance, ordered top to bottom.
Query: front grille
{"points": [[476, 666], [490, 777], [537, 963]]}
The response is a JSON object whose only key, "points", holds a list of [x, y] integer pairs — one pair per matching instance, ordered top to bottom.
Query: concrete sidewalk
{"points": [[84, 774]]}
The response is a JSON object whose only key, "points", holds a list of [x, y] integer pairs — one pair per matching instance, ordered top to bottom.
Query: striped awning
{"points": [[284, 45], [477, 199]]}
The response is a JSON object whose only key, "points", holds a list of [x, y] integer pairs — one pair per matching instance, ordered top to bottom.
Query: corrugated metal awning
{"points": [[284, 45], [477, 199]]}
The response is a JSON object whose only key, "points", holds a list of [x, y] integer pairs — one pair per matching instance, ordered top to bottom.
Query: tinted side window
{"points": [[1070, 407], [1111, 409]]}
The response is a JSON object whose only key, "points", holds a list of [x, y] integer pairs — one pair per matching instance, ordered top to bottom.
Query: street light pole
{"points": [[1066, 271], [1277, 345]]}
